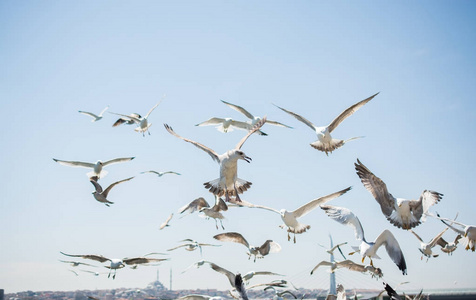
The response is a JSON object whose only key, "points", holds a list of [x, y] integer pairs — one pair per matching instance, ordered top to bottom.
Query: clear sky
{"points": [[315, 58]]}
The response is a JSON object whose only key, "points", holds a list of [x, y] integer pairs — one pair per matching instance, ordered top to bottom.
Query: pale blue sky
{"points": [[313, 58]]}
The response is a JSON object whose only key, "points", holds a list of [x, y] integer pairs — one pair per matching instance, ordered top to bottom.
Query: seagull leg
{"points": [[237, 198], [216, 224], [222, 225], [289, 237], [294, 238], [371, 262]]}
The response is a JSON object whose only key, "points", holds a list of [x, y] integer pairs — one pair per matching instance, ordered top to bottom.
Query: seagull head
{"points": [[241, 155]]}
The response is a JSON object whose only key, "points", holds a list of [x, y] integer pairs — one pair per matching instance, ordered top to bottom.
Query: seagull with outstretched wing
{"points": [[94, 116], [97, 167], [101, 195], [268, 246]]}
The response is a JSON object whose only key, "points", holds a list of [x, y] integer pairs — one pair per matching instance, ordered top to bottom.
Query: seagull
{"points": [[95, 117], [253, 119], [128, 120], [143, 123], [227, 125], [325, 142], [97, 171], [160, 174], [228, 184], [100, 195], [195, 205], [214, 212], [402, 213], [290, 217], [166, 223], [469, 232], [386, 238], [192, 245], [425, 248], [449, 248], [331, 251], [258, 252], [76, 263], [117, 263], [197, 265], [375, 272], [75, 273], [94, 273], [236, 281], [279, 295], [394, 296], [199, 297]]}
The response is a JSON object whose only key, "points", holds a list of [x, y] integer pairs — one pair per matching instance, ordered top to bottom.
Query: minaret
{"points": [[170, 279], [332, 288]]}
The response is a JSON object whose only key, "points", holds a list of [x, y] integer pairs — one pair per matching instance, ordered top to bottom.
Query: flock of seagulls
{"points": [[402, 213]]}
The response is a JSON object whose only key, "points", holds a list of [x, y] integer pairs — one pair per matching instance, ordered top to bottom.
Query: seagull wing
{"points": [[152, 109], [239, 109], [104, 110], [348, 112], [88, 114], [133, 117], [300, 118], [212, 121], [277, 124], [253, 130], [210, 152], [117, 160], [74, 163], [151, 171], [114, 184], [97, 186], [377, 188], [426, 200], [243, 203], [195, 205], [220, 205], [306, 208], [345, 217], [166, 223], [459, 231], [417, 236], [232, 237], [387, 239], [435, 240], [442, 242], [179, 246], [337, 246], [269, 247], [98, 258], [141, 260], [322, 263], [351, 266], [228, 274], [392, 293], [195, 297]]}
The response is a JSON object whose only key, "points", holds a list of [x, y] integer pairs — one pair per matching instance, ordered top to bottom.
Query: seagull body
{"points": [[94, 116], [127, 119], [253, 120], [142, 122], [228, 124], [325, 142], [97, 167], [160, 174], [228, 183], [100, 195], [195, 205], [215, 211], [402, 213], [290, 218], [166, 223], [468, 233], [192, 245], [425, 248], [449, 248], [368, 249], [258, 252], [76, 263], [117, 263], [375, 272], [236, 281]]}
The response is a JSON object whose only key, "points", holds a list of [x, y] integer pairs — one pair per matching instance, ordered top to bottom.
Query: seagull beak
{"points": [[247, 159], [363, 258]]}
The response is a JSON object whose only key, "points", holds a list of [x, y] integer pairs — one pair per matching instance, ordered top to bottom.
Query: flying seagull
{"points": [[94, 116], [129, 120], [253, 120], [142, 122], [228, 124], [325, 142], [97, 171], [160, 174], [228, 184], [100, 195], [193, 206], [214, 212], [402, 213], [290, 217], [166, 223], [467, 231], [192, 245], [425, 248], [368, 249], [331, 251], [258, 252], [76, 263], [117, 263], [375, 272], [236, 280], [279, 294], [394, 295]]}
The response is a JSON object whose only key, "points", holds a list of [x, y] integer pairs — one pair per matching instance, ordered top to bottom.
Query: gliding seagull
{"points": [[94, 116], [227, 125], [325, 142], [97, 171], [160, 174], [228, 184], [100, 195], [469, 232], [386, 238], [192, 245], [425, 248], [258, 252], [375, 272]]}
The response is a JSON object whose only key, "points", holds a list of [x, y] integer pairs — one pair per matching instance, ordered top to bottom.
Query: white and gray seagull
{"points": [[94, 116], [129, 120], [253, 120], [142, 122], [228, 124], [325, 142], [97, 167], [160, 174], [228, 183], [100, 195], [193, 206], [214, 212], [402, 213], [290, 217], [166, 222], [468, 232], [192, 245], [268, 246], [425, 248], [368, 249], [76, 263], [116, 263], [348, 264], [236, 280]]}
